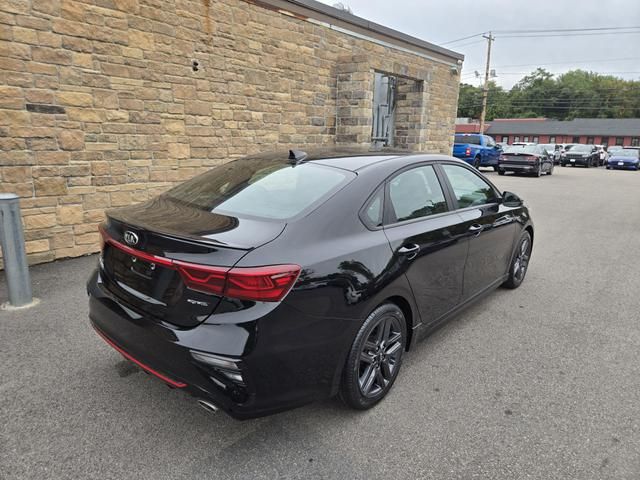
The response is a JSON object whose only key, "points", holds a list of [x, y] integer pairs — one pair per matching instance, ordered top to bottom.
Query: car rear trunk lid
{"points": [[149, 247]]}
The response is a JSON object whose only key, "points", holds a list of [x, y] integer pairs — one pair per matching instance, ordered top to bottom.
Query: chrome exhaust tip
{"points": [[208, 406]]}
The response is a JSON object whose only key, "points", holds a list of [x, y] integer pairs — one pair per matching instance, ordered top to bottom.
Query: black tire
{"points": [[476, 163], [563, 164], [495, 168], [539, 171], [501, 172], [550, 172], [520, 262], [375, 358]]}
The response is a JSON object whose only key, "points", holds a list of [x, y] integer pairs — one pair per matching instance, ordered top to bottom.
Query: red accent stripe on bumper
{"points": [[164, 378]]}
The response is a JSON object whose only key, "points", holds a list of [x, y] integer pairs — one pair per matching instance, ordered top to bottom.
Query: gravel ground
{"points": [[540, 382]]}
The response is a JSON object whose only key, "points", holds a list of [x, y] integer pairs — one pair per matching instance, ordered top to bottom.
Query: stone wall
{"points": [[101, 106]]}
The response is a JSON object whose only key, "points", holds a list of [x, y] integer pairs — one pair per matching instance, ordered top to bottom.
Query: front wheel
{"points": [[520, 262], [375, 358]]}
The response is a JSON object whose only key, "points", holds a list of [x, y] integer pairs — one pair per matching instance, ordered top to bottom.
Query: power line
{"points": [[565, 29], [615, 29], [568, 34], [463, 38], [467, 44], [568, 62], [528, 73], [535, 107]]}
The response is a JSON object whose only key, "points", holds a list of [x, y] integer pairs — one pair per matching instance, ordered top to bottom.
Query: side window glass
{"points": [[469, 189], [416, 193], [373, 210]]}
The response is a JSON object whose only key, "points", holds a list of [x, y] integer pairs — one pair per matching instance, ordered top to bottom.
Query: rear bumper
{"points": [[510, 167], [272, 371]]}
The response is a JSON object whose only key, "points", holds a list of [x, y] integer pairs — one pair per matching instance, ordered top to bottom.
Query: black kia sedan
{"points": [[276, 280]]}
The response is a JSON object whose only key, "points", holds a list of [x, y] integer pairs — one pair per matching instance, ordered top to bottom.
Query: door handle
{"points": [[475, 229], [411, 250]]}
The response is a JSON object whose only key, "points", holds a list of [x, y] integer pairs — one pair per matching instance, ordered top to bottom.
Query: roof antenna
{"points": [[296, 157]]}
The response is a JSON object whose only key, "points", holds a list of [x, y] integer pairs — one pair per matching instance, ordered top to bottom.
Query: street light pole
{"points": [[485, 90]]}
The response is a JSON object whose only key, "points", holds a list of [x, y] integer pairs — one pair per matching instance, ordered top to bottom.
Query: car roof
{"points": [[357, 163]]}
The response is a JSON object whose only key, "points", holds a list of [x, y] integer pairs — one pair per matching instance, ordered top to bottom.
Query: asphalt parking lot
{"points": [[540, 382]]}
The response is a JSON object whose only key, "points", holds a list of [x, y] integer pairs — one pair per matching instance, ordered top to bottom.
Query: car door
{"points": [[493, 152], [489, 225], [426, 238]]}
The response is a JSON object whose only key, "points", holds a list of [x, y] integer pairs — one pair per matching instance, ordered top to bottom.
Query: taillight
{"points": [[467, 152], [532, 159], [203, 277], [265, 284]]}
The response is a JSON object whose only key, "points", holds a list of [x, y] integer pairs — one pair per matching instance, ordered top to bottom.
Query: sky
{"points": [[439, 21]]}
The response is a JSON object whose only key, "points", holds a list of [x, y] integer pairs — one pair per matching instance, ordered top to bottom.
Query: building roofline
{"points": [[311, 9]]}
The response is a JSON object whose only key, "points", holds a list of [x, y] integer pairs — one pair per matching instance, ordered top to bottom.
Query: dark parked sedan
{"points": [[530, 159], [626, 159], [276, 280]]}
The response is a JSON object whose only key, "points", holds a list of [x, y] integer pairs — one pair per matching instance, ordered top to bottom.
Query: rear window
{"points": [[472, 139], [261, 187]]}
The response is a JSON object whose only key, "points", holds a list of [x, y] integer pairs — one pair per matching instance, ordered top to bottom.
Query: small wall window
{"points": [[516, 138], [505, 139], [525, 139], [536, 139], [552, 139], [576, 140], [591, 140], [619, 140], [604, 141], [635, 142]]}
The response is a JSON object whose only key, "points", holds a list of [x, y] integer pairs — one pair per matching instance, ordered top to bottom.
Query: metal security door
{"points": [[384, 107]]}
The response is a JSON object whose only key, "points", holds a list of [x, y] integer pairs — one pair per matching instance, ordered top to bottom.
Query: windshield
{"points": [[472, 139], [582, 148], [627, 153], [266, 187]]}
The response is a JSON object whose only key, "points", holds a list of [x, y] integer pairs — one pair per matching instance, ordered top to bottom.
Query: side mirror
{"points": [[511, 199]]}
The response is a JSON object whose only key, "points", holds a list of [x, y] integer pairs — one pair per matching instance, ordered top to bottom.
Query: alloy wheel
{"points": [[522, 260], [380, 356]]}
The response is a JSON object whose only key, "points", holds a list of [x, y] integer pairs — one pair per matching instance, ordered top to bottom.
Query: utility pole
{"points": [[485, 90]]}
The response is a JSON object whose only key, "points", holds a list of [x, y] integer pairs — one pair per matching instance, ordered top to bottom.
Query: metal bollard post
{"points": [[13, 254]]}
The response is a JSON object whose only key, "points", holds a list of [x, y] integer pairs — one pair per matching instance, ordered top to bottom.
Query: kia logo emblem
{"points": [[130, 237]]}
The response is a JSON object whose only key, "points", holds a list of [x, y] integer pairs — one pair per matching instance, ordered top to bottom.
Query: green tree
{"points": [[577, 93]]}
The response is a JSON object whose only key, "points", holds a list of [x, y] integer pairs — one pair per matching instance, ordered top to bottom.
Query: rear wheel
{"points": [[476, 162], [539, 171], [501, 172], [520, 262], [375, 358]]}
